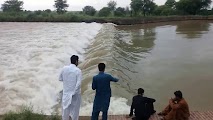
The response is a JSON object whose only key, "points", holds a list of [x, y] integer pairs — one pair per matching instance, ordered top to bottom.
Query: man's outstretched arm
{"points": [[113, 79], [150, 100]]}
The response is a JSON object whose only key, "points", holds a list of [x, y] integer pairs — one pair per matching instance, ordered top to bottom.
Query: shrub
{"points": [[27, 113]]}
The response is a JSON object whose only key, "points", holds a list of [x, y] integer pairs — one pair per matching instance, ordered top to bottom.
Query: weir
{"points": [[160, 57]]}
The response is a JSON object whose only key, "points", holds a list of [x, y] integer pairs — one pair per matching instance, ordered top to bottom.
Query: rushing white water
{"points": [[32, 55], [118, 105]]}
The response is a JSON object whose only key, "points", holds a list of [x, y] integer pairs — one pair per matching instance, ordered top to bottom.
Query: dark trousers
{"points": [[150, 109], [148, 112], [96, 114]]}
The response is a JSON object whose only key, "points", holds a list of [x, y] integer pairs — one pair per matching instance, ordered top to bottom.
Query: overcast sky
{"points": [[74, 5]]}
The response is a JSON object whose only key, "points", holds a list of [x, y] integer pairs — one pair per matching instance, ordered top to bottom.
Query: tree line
{"points": [[137, 8]]}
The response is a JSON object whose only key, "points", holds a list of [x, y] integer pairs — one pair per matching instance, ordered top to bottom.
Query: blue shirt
{"points": [[101, 83]]}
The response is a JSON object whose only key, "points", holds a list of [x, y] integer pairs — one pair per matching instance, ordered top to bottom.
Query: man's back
{"points": [[69, 76], [101, 83], [142, 105], [182, 110]]}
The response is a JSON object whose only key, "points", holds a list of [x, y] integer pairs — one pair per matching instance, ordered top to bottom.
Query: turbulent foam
{"points": [[32, 55], [118, 105]]}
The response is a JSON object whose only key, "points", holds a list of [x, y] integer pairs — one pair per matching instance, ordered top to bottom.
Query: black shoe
{"points": [[153, 112], [161, 114], [134, 118]]}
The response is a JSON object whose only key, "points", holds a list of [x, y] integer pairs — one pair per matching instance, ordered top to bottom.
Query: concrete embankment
{"points": [[195, 115]]}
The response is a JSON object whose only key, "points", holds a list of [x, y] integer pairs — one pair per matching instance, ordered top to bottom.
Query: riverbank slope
{"points": [[115, 20], [145, 20]]}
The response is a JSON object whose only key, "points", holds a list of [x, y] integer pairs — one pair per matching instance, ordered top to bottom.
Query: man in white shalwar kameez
{"points": [[71, 77]]}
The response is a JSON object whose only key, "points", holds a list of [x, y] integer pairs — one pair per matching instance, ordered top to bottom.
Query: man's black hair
{"points": [[74, 59], [101, 66], [140, 91], [178, 94]]}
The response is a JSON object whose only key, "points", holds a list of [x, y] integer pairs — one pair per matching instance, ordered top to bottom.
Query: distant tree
{"points": [[170, 3], [112, 5], [12, 6], [61, 6], [136, 6], [145, 6], [148, 6], [152, 6], [192, 6], [127, 9], [89, 10], [158, 10], [164, 10], [27, 11], [48, 11], [212, 11], [38, 12], [104, 12], [120, 12], [204, 12], [81, 13], [31, 16]]}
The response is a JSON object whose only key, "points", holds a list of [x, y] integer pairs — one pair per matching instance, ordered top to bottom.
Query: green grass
{"points": [[42, 16], [27, 113]]}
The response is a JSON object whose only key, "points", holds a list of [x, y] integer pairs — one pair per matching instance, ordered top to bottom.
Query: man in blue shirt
{"points": [[101, 83]]}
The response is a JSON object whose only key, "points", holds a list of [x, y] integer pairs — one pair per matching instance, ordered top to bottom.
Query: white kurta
{"points": [[71, 100]]}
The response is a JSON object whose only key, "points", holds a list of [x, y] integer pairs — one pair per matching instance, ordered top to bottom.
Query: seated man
{"points": [[142, 106], [177, 109]]}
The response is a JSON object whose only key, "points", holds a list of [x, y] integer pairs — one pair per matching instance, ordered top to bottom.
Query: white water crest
{"points": [[102, 49]]}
